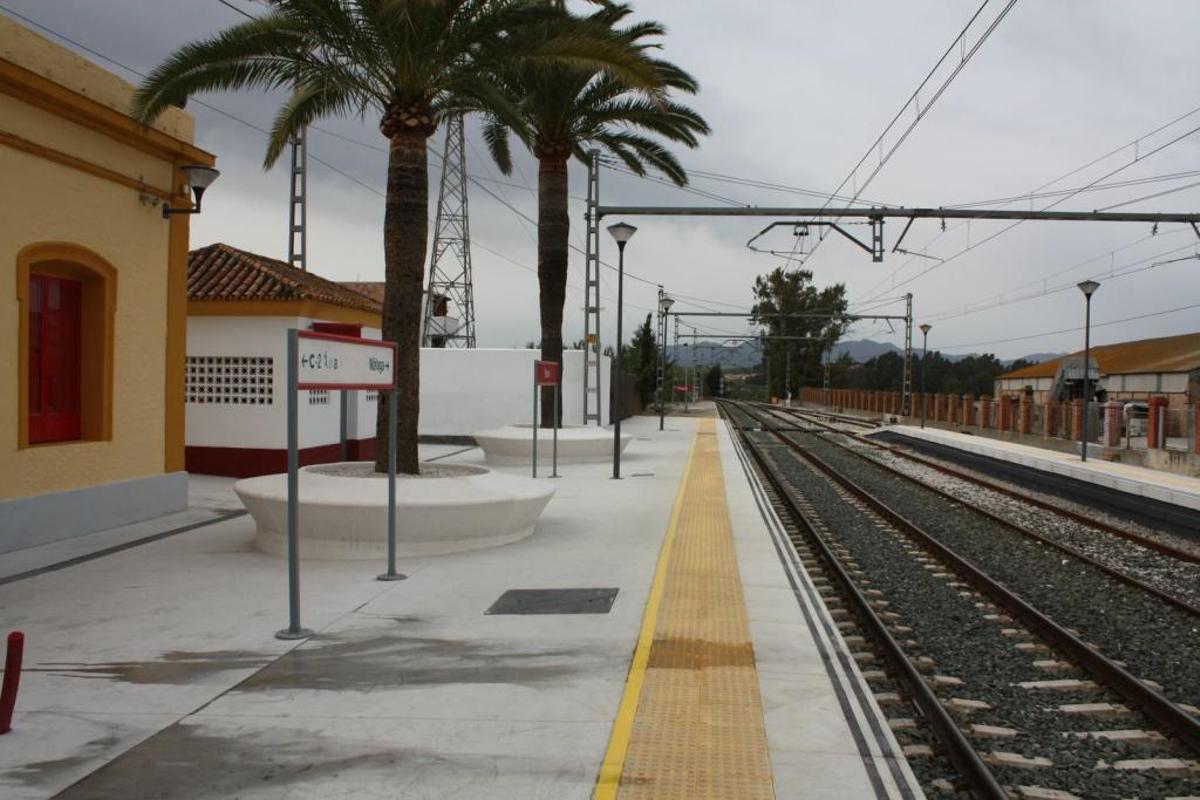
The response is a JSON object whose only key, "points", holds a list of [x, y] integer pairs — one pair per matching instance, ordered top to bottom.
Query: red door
{"points": [[54, 358]]}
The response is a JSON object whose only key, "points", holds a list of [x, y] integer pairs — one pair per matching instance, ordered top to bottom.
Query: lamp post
{"points": [[199, 177], [622, 232], [1088, 288], [664, 304], [924, 355]]}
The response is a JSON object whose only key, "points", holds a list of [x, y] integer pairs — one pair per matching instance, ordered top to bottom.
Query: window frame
{"points": [[97, 334]]}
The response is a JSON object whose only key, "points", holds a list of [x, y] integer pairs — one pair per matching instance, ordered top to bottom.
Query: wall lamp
{"points": [[199, 177]]}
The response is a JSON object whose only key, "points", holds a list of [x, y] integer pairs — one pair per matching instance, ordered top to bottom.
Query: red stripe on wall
{"points": [[248, 462]]}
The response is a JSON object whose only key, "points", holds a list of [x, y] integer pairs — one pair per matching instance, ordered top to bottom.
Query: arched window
{"points": [[67, 297]]}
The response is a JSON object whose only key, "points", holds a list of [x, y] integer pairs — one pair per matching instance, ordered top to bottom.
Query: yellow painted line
{"points": [[618, 743]]}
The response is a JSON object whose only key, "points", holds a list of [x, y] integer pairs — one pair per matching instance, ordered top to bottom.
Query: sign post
{"points": [[326, 361], [545, 373]]}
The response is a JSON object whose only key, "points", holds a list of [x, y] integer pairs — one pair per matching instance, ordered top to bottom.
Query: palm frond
{"points": [[307, 104], [495, 134]]}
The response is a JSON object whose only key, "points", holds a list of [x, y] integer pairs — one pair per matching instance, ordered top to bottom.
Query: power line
{"points": [[230, 5], [914, 101], [1137, 157], [1000, 201], [1110, 254], [1114, 273], [1043, 334]]}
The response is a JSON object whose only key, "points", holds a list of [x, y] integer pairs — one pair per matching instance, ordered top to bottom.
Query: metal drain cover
{"points": [[554, 601]]}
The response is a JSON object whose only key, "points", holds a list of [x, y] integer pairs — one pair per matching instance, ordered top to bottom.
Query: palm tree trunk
{"points": [[405, 227], [554, 227]]}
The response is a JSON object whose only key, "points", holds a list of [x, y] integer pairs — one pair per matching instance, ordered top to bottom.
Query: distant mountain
{"points": [[862, 350], [748, 354], [742, 355], [1037, 358]]}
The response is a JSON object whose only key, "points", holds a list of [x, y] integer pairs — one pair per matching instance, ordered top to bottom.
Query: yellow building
{"points": [[93, 297]]}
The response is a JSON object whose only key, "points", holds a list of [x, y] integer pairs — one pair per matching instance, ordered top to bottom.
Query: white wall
{"points": [[462, 391], [259, 426]]}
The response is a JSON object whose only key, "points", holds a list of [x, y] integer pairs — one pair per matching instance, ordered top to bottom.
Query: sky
{"points": [[796, 93]]}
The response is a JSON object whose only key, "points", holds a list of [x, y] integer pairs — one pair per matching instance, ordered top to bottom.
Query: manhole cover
{"points": [[554, 601]]}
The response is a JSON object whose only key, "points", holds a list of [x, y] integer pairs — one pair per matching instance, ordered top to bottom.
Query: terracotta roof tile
{"points": [[221, 272], [372, 289], [1164, 354]]}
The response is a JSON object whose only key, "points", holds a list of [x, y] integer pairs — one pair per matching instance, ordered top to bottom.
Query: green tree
{"points": [[411, 62], [566, 109], [781, 294], [641, 361], [712, 381]]}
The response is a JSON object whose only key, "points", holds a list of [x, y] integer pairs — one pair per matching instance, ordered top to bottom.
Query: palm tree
{"points": [[412, 62], [565, 109]]}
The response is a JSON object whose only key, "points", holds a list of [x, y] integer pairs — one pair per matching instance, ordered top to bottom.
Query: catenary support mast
{"points": [[449, 314]]}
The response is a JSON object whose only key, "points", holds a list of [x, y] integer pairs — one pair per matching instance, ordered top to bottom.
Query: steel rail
{"points": [[1075, 516], [1113, 572], [1155, 704], [962, 754]]}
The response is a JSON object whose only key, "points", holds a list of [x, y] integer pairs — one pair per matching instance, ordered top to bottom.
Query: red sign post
{"points": [[545, 373]]}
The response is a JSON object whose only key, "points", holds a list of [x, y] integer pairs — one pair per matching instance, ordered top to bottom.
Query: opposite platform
{"points": [[1166, 487]]}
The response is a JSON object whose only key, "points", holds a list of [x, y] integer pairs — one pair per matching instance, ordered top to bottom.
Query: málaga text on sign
{"points": [[325, 361]]}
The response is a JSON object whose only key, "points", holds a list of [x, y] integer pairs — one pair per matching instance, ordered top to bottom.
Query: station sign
{"points": [[328, 361], [545, 373]]}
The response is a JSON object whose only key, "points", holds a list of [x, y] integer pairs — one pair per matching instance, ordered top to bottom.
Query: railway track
{"points": [[815, 418], [1172, 576], [1019, 703]]}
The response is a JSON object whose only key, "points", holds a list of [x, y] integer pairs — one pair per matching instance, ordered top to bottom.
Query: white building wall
{"points": [[462, 391], [243, 425]]}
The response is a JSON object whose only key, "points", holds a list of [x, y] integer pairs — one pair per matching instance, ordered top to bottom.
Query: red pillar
{"points": [[952, 408], [968, 409], [985, 411], [1003, 413], [1026, 415], [1049, 419], [1076, 420], [1112, 423], [1196, 425], [1156, 435]]}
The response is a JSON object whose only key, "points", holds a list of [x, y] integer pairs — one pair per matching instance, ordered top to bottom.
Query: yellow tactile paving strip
{"points": [[697, 730]]}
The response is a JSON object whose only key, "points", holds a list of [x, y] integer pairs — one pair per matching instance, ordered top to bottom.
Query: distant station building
{"points": [[93, 304], [240, 307], [1128, 371]]}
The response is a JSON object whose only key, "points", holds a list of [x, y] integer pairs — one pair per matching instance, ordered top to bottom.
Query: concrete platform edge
{"points": [[1123, 482], [880, 757]]}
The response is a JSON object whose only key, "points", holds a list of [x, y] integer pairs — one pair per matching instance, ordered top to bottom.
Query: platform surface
{"points": [[1167, 487], [152, 669]]}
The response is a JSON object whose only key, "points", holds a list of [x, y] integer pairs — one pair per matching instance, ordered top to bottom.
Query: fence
{"points": [[1152, 425]]}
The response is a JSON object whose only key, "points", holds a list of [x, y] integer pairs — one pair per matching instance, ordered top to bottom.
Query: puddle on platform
{"points": [[389, 661], [174, 667], [36, 773]]}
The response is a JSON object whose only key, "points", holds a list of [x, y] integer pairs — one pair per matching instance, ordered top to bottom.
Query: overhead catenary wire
{"points": [[915, 102], [1138, 157], [1001, 201], [1115, 273], [1043, 281], [1161, 313]]}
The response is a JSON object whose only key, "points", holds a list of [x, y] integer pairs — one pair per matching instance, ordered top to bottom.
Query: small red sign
{"points": [[545, 373]]}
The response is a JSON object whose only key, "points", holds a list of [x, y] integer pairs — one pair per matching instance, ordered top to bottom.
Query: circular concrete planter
{"points": [[577, 444], [343, 510]]}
